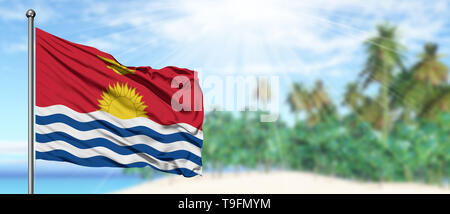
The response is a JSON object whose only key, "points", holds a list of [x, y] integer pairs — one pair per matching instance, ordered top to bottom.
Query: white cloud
{"points": [[16, 11], [7, 14], [267, 33], [309, 38], [16, 47], [13, 147], [13, 151]]}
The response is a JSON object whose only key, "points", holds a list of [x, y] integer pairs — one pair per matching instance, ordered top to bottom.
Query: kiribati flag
{"points": [[93, 111]]}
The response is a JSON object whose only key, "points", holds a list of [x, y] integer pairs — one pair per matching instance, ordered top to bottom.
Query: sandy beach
{"points": [[276, 182]]}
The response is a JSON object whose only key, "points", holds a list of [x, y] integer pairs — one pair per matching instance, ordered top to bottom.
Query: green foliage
{"points": [[243, 141], [347, 147]]}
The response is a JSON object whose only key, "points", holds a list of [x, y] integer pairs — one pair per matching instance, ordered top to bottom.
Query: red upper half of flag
{"points": [[78, 76]]}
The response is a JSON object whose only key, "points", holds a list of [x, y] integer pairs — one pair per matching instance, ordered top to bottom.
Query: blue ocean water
{"points": [[64, 178], [68, 185]]}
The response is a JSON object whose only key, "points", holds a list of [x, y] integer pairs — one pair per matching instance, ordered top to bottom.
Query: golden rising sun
{"points": [[123, 102]]}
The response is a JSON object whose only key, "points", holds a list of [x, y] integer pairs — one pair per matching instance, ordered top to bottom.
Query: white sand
{"points": [[275, 182]]}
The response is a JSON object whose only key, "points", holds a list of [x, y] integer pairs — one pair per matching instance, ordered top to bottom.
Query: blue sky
{"points": [[294, 40]]}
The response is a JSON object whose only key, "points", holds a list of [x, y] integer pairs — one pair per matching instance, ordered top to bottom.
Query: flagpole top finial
{"points": [[30, 13]]}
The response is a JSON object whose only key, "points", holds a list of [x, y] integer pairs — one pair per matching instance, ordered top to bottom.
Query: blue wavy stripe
{"points": [[123, 132], [123, 150], [102, 161]]}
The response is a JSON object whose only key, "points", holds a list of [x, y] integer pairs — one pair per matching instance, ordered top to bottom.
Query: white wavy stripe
{"points": [[124, 123], [121, 141], [122, 159]]}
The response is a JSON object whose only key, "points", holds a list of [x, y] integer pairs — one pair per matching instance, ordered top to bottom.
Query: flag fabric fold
{"points": [[93, 111]]}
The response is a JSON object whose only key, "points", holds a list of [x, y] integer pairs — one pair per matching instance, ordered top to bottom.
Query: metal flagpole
{"points": [[30, 15]]}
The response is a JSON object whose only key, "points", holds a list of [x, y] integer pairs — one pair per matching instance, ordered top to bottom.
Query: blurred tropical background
{"points": [[363, 89], [399, 133]]}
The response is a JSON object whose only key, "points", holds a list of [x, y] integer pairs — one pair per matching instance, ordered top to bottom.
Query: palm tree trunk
{"points": [[385, 106]]}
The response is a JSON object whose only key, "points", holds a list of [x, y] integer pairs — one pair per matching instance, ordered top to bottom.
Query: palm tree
{"points": [[383, 59], [429, 69], [432, 75], [423, 88], [263, 92], [405, 93], [319, 96], [353, 97], [298, 100], [322, 101], [437, 101], [316, 103], [320, 104], [371, 111]]}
